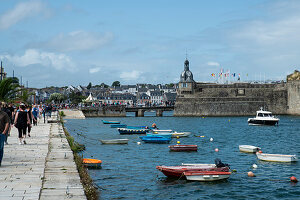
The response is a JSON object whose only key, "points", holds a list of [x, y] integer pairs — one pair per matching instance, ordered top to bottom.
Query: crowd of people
{"points": [[22, 117]]}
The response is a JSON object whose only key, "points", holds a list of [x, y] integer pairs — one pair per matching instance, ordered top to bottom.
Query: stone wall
{"points": [[293, 88], [107, 111]]}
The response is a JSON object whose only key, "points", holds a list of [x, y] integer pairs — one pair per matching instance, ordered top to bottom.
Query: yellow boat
{"points": [[91, 163]]}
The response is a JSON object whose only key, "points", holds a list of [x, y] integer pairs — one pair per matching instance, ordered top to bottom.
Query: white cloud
{"points": [[19, 12], [75, 41], [46, 59], [213, 64], [94, 70], [133, 75]]}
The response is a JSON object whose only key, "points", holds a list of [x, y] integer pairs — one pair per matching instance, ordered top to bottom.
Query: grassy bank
{"points": [[90, 190]]}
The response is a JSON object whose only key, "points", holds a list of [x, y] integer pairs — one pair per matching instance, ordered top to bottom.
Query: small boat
{"points": [[263, 118], [111, 122], [118, 126], [137, 127], [132, 131], [155, 131], [181, 134], [162, 135], [155, 139], [115, 141], [178, 147], [249, 148], [276, 157], [91, 163], [177, 171], [206, 175]]}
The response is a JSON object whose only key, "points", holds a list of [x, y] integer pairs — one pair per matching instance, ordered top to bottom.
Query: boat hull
{"points": [[253, 121], [110, 122], [118, 126], [132, 131], [181, 134], [155, 139], [116, 141], [183, 148], [248, 148], [276, 157], [91, 163], [177, 171], [206, 175]]}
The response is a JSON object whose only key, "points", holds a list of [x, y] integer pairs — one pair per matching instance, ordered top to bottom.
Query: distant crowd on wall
{"points": [[145, 104]]}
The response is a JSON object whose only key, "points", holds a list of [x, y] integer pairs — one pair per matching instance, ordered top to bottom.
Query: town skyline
{"points": [[51, 43]]}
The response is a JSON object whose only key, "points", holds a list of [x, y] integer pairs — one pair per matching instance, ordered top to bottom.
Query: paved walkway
{"points": [[42, 169]]}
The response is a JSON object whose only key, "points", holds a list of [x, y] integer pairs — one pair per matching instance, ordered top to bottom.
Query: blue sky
{"points": [[59, 43]]}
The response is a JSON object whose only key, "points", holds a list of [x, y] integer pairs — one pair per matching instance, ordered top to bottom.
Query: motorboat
{"points": [[263, 118], [110, 122], [118, 126], [132, 131], [155, 131], [181, 134], [167, 135], [155, 139], [115, 141], [178, 147], [249, 148], [276, 157], [91, 163], [177, 171], [206, 175]]}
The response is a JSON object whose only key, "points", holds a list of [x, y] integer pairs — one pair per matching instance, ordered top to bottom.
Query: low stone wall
{"points": [[107, 111]]}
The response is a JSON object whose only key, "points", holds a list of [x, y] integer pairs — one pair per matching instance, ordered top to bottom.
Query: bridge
{"points": [[120, 110], [140, 111]]}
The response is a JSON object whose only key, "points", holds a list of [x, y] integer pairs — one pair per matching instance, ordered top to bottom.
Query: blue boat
{"points": [[111, 122], [118, 126], [137, 127], [132, 131], [162, 135], [155, 139]]}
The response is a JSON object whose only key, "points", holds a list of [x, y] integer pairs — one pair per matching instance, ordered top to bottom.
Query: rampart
{"points": [[105, 111]]}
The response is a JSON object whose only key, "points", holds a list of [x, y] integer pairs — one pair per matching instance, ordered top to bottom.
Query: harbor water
{"points": [[128, 171]]}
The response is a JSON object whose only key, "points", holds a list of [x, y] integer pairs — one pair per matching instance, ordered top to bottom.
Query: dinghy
{"points": [[111, 122], [132, 131], [155, 139], [115, 141], [178, 147], [249, 148], [276, 157], [91, 163], [206, 175]]}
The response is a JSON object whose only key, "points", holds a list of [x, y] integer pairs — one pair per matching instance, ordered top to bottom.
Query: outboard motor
{"points": [[219, 163]]}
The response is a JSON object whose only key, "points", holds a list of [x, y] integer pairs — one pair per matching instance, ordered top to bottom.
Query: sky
{"points": [[74, 42]]}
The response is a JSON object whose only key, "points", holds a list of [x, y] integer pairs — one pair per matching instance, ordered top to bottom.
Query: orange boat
{"points": [[92, 163]]}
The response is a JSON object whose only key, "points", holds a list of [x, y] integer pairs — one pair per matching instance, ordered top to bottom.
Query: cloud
{"points": [[20, 12], [74, 41], [46, 59], [213, 64], [94, 70], [133, 75]]}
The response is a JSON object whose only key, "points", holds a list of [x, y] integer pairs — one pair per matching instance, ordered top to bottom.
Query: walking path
{"points": [[42, 169]]}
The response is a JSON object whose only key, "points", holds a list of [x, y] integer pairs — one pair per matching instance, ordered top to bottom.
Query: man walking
{"points": [[4, 126]]}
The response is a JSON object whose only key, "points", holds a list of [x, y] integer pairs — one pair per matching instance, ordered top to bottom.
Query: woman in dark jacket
{"points": [[22, 122]]}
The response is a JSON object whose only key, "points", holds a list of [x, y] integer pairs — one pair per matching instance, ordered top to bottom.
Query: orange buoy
{"points": [[216, 150], [260, 151], [251, 174], [294, 179]]}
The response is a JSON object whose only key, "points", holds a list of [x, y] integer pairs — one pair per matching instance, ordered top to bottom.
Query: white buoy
{"points": [[211, 139], [139, 143], [254, 166]]}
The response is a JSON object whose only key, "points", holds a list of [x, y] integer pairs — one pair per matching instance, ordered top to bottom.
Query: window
{"points": [[184, 85]]}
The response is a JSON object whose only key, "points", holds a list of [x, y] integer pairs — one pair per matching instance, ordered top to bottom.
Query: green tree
{"points": [[116, 84], [103, 85], [89, 86], [8, 89], [24, 95], [57, 97], [76, 97]]}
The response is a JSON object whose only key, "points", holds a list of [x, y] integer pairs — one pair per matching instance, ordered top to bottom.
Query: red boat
{"points": [[183, 147], [177, 171]]}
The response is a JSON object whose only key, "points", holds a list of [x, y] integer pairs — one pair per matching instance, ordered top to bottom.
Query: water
{"points": [[128, 171]]}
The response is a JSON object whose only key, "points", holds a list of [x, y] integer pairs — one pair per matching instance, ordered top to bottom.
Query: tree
{"points": [[116, 84], [103, 85], [170, 85], [89, 86], [8, 89], [24, 95], [57, 97], [76, 97]]}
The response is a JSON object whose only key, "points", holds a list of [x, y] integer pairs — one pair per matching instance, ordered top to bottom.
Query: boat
{"points": [[263, 118], [111, 122], [118, 126], [137, 127], [132, 131], [155, 131], [172, 133], [181, 134], [167, 135], [155, 139], [115, 141], [178, 147], [249, 148], [276, 157], [91, 163], [177, 171], [206, 175]]}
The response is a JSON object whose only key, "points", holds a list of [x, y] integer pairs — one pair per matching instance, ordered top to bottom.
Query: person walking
{"points": [[8, 112], [35, 113], [21, 122], [4, 126]]}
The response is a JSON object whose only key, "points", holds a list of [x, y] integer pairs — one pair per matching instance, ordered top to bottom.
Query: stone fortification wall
{"points": [[293, 88], [232, 99], [107, 111]]}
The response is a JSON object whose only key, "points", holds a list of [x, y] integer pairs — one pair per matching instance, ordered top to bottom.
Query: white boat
{"points": [[263, 118], [161, 131], [180, 134], [115, 141], [249, 148], [276, 157], [199, 165], [206, 175]]}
